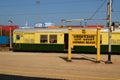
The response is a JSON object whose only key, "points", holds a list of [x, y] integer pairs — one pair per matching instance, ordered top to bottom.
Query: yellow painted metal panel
{"points": [[84, 31], [29, 37], [37, 38], [60, 38], [84, 38], [104, 38], [115, 38], [16, 40]]}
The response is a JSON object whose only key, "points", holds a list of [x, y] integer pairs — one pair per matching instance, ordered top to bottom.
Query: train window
{"points": [[17, 37], [43, 38], [53, 38]]}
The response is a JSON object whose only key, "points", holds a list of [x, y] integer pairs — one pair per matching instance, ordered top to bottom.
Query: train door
{"points": [[65, 41]]}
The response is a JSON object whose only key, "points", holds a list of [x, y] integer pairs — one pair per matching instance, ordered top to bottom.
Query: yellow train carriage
{"points": [[49, 39], [38, 40], [115, 40], [115, 43]]}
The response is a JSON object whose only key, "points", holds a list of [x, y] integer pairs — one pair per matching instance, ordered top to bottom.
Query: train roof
{"points": [[42, 30], [64, 30]]}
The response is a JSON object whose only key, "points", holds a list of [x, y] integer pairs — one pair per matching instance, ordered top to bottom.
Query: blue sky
{"points": [[20, 11]]}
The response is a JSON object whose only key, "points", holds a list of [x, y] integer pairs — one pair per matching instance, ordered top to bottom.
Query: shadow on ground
{"points": [[82, 58], [16, 77]]}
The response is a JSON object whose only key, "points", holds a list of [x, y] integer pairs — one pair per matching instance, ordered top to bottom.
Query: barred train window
{"points": [[17, 37], [43, 38], [53, 39]]}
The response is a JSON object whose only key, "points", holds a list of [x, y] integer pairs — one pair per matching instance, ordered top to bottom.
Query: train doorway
{"points": [[66, 41]]}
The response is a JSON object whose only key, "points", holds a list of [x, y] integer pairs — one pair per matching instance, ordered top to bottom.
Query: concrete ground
{"points": [[55, 66]]}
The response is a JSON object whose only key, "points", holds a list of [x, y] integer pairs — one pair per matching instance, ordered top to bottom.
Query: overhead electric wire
{"points": [[98, 9], [114, 11]]}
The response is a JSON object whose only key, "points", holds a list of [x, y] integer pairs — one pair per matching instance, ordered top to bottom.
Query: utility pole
{"points": [[38, 8], [109, 8], [10, 34], [10, 38]]}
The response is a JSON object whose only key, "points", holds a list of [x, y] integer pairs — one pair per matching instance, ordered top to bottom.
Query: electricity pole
{"points": [[38, 7], [109, 8], [10, 34]]}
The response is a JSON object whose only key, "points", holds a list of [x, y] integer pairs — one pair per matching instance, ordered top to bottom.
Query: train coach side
{"points": [[38, 40], [56, 40]]}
